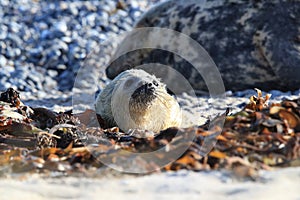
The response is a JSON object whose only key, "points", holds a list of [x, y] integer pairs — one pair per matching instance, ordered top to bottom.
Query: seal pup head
{"points": [[136, 99]]}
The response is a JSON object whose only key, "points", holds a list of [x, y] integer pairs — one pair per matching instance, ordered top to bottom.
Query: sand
{"points": [[278, 184]]}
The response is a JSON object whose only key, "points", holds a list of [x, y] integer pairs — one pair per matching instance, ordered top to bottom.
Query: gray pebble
{"points": [[42, 44], [3, 61], [52, 73]]}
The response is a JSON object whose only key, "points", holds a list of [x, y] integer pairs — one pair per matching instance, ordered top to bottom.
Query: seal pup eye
{"points": [[155, 83], [170, 92]]}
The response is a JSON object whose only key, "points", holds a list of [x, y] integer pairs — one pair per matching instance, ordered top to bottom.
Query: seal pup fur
{"points": [[137, 100]]}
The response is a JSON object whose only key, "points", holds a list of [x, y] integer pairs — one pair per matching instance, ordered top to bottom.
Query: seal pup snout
{"points": [[145, 92]]}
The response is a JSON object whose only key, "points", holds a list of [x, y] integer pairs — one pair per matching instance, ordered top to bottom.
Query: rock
{"points": [[60, 26], [253, 43], [3, 61]]}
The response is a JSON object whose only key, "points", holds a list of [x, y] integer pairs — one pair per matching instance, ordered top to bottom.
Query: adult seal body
{"points": [[253, 43], [138, 100]]}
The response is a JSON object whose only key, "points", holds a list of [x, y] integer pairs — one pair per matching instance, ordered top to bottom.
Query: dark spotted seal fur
{"points": [[254, 43]]}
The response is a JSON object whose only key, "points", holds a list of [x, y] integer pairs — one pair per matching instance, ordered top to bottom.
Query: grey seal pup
{"points": [[137, 100]]}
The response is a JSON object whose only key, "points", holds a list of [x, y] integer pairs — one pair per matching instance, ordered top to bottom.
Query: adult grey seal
{"points": [[253, 43], [137, 100]]}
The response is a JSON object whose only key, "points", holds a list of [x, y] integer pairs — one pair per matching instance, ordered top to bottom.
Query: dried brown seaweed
{"points": [[260, 136]]}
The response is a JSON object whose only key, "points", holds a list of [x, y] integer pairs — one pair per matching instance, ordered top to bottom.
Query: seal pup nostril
{"points": [[150, 87]]}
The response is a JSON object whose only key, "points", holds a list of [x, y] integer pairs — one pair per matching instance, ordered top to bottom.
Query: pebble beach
{"points": [[43, 45]]}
